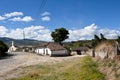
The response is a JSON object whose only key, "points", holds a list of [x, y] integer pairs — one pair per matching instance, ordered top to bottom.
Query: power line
{"points": [[42, 5]]}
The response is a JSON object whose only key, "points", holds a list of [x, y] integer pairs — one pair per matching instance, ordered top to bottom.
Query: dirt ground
{"points": [[22, 59]]}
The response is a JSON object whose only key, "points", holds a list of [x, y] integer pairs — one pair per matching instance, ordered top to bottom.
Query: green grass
{"points": [[76, 69], [89, 70]]}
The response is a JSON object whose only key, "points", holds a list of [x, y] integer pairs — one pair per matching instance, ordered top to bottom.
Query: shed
{"points": [[78, 50]]}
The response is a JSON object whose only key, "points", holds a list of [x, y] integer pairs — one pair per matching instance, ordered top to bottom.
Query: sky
{"points": [[38, 18]]}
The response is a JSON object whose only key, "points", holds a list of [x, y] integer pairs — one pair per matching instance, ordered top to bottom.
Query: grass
{"points": [[111, 68], [75, 69], [89, 70]]}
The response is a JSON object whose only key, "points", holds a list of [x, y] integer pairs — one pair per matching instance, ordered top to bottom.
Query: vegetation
{"points": [[59, 35], [102, 37], [118, 39], [97, 40], [21, 42], [81, 43], [87, 43], [3, 48], [89, 68], [111, 68], [75, 69]]}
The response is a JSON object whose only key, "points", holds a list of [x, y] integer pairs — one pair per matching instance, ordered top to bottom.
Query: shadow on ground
{"points": [[6, 56]]}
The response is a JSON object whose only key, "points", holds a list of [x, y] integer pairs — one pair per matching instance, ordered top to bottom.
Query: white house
{"points": [[12, 48], [52, 49]]}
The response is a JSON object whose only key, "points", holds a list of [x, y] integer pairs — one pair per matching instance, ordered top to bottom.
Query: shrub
{"points": [[3, 48], [89, 70]]}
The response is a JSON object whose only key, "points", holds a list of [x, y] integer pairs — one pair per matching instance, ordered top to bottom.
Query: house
{"points": [[12, 48], [26, 49], [51, 49], [78, 50]]}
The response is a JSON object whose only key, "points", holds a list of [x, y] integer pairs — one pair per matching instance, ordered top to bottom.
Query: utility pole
{"points": [[23, 35], [23, 41]]}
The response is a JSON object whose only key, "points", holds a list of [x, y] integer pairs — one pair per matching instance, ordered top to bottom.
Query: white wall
{"points": [[12, 49], [43, 51], [47, 51], [60, 52]]}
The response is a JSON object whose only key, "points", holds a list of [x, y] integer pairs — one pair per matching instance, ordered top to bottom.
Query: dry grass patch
{"points": [[111, 68], [74, 69]]}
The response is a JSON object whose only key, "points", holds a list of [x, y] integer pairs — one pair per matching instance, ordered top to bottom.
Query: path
{"points": [[22, 59]]}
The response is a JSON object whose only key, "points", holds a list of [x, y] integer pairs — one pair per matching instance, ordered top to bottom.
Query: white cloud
{"points": [[13, 14], [45, 14], [16, 16], [2, 18], [45, 18], [25, 19], [3, 31], [32, 32], [88, 32], [42, 33], [84, 33], [109, 34]]}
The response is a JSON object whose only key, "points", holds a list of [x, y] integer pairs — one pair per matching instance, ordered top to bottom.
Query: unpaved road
{"points": [[22, 59]]}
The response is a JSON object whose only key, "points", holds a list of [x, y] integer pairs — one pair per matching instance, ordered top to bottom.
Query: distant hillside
{"points": [[21, 42], [80, 43]]}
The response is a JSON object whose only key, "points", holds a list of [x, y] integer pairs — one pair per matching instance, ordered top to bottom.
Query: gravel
{"points": [[22, 59]]}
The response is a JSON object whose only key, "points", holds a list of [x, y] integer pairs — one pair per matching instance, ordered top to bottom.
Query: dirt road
{"points": [[22, 59]]}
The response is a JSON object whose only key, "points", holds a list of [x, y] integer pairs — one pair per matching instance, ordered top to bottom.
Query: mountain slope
{"points": [[21, 42]]}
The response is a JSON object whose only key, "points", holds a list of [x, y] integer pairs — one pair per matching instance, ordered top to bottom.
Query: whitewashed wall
{"points": [[43, 51], [47, 51], [60, 52]]}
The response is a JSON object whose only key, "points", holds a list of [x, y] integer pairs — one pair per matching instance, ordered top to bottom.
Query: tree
{"points": [[59, 35], [102, 37], [96, 38], [118, 39], [95, 41], [3, 48]]}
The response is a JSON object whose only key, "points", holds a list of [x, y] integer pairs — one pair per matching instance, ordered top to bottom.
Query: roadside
{"points": [[23, 59], [111, 68], [71, 69]]}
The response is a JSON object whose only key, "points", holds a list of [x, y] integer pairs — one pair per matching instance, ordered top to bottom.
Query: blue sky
{"points": [[83, 18]]}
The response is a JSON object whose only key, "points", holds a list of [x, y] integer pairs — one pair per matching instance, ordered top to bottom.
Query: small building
{"points": [[12, 48], [26, 49], [51, 49], [79, 50]]}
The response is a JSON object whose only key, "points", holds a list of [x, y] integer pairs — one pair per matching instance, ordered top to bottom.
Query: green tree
{"points": [[59, 35], [102, 37], [96, 38], [118, 39], [95, 41], [3, 48]]}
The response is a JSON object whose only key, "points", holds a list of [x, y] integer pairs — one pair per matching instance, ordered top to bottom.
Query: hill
{"points": [[21, 42]]}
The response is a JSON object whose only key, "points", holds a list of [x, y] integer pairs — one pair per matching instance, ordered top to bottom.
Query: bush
{"points": [[3, 48], [89, 70]]}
